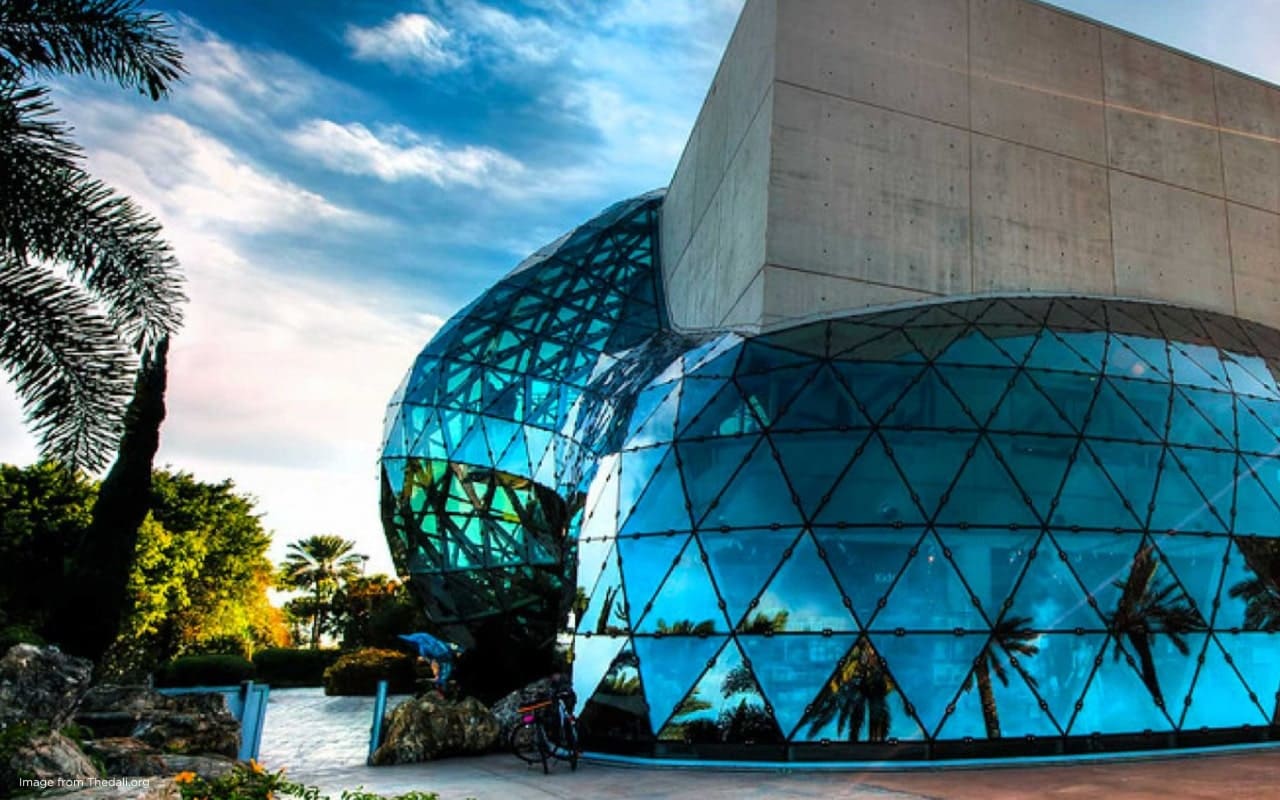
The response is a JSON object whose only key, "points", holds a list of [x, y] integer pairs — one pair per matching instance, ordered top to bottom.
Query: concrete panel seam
{"points": [[968, 37], [1106, 146], [1226, 209]]}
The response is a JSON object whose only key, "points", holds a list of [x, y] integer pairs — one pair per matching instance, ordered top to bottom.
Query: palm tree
{"points": [[88, 289], [320, 564], [1261, 593], [1148, 606], [686, 627], [1012, 635], [858, 690]]}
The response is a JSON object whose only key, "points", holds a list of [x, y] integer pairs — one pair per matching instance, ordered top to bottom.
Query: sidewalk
{"points": [[502, 777]]}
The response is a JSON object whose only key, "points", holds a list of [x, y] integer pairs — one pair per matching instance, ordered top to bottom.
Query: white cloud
{"points": [[412, 39], [395, 153]]}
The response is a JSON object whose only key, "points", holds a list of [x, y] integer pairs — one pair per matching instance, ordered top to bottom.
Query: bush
{"points": [[18, 634], [283, 667], [214, 670], [359, 672], [251, 782]]}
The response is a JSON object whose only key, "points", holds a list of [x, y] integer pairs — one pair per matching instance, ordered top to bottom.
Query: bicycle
{"points": [[548, 729]]}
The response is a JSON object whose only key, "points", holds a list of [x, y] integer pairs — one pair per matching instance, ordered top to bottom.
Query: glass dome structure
{"points": [[991, 526]]}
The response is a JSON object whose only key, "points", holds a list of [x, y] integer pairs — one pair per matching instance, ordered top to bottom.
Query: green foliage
{"points": [[320, 566], [373, 611], [18, 634], [283, 667], [211, 670], [359, 672], [252, 782]]}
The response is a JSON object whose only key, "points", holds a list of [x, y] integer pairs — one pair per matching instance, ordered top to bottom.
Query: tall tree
{"points": [[87, 285], [320, 565]]}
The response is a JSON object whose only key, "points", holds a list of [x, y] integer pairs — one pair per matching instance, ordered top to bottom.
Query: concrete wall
{"points": [[858, 153]]}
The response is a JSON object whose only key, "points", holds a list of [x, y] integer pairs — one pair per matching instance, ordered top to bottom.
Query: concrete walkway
{"points": [[502, 777]]}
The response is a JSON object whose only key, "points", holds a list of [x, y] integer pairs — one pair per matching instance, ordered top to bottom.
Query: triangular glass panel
{"points": [[847, 336], [931, 340], [1088, 345], [893, 346], [975, 349], [1051, 352], [757, 356], [1137, 357], [718, 360], [1197, 365], [1249, 375], [876, 386], [978, 389], [770, 394], [1070, 394], [694, 396], [1149, 400], [647, 404], [823, 404], [928, 404], [1026, 408], [726, 414], [1112, 417], [1188, 423], [1258, 424], [660, 426], [394, 443], [472, 448], [515, 459], [930, 462], [812, 464], [1038, 464], [708, 467], [1109, 486], [871, 490], [984, 494], [651, 495], [757, 495], [1256, 496], [1179, 505], [600, 520], [592, 559], [646, 560], [1099, 560], [990, 561], [741, 562], [866, 562], [1196, 562], [1250, 594], [929, 595], [801, 597], [1050, 597], [686, 603], [606, 609], [1256, 656], [592, 658], [669, 666], [928, 669], [1060, 669], [792, 670], [1174, 670], [1220, 699], [860, 701], [1117, 701], [726, 705], [964, 718]]}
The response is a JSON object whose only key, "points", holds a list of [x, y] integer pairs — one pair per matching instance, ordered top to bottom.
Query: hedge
{"points": [[283, 667], [211, 670], [359, 672]]}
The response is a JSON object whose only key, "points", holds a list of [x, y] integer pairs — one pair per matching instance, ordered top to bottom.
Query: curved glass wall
{"points": [[992, 526]]}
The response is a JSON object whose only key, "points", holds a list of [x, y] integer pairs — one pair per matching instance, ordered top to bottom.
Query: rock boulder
{"points": [[41, 684], [187, 723], [430, 727], [49, 757]]}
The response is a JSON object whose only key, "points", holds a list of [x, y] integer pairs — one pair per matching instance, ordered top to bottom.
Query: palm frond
{"points": [[109, 39], [52, 210], [69, 368]]}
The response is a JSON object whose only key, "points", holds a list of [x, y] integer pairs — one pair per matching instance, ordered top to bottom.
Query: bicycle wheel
{"points": [[571, 741], [524, 742]]}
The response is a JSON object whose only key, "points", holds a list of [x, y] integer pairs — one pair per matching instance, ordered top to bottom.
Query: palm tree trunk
{"points": [[89, 616], [316, 620], [1142, 646], [990, 715]]}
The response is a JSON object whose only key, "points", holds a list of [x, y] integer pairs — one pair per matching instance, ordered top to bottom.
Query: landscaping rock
{"points": [[41, 684], [506, 710], [187, 723], [429, 728], [124, 756], [46, 757], [208, 767], [153, 787]]}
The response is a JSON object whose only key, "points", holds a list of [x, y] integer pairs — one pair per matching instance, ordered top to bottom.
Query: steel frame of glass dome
{"points": [[1003, 525]]}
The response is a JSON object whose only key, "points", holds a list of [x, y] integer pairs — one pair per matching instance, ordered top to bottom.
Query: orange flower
{"points": [[256, 767], [184, 777]]}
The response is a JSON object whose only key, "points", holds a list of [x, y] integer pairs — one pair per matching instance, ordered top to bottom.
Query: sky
{"points": [[338, 177]]}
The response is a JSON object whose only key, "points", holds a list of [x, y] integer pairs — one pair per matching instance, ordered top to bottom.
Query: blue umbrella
{"points": [[431, 647]]}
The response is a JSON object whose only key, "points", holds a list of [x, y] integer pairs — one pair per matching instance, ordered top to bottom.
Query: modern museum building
{"points": [[931, 412]]}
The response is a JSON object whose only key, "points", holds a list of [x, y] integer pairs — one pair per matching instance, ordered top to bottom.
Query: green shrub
{"points": [[17, 634], [283, 667], [213, 670], [359, 672], [251, 782]]}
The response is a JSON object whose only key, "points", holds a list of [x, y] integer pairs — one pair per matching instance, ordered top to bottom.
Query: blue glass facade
{"points": [[998, 525]]}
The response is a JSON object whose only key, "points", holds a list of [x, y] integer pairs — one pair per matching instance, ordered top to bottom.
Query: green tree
{"points": [[87, 285], [320, 565], [1150, 605], [858, 692]]}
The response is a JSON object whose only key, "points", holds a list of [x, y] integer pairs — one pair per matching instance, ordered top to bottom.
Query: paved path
{"points": [[502, 777]]}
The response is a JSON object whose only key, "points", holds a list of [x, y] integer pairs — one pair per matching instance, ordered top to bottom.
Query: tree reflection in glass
{"points": [[1261, 593], [1151, 603], [1012, 635], [857, 694]]}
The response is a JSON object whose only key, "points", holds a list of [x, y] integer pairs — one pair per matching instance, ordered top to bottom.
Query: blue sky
{"points": [[339, 176]]}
